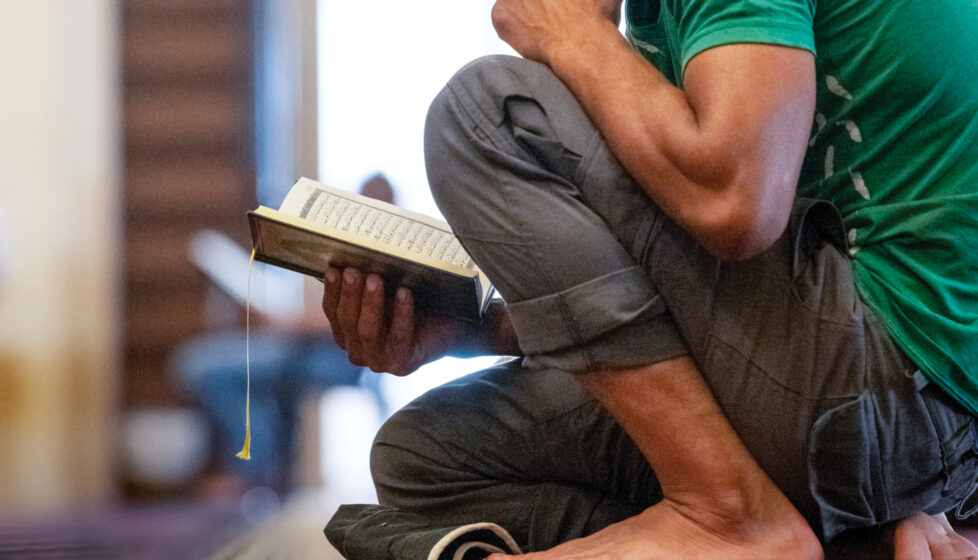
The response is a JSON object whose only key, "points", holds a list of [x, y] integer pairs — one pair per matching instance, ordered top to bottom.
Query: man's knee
{"points": [[500, 75], [486, 79], [477, 94], [463, 126], [469, 129], [436, 445], [419, 452], [397, 458]]}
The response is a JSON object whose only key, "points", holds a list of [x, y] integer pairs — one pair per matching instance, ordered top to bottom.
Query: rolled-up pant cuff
{"points": [[614, 321], [383, 532]]}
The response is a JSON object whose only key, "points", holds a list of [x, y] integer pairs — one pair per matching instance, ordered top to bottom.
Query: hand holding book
{"points": [[399, 289], [393, 335]]}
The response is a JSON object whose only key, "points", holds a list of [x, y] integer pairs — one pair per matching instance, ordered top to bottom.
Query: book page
{"points": [[392, 227]]}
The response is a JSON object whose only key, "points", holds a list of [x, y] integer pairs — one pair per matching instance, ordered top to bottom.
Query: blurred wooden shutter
{"points": [[188, 133]]}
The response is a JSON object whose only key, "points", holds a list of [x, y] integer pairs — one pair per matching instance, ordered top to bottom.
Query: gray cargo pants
{"points": [[595, 275]]}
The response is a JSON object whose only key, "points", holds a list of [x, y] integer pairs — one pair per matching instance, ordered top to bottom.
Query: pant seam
{"points": [[547, 273]]}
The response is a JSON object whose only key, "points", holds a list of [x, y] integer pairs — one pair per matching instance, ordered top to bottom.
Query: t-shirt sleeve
{"points": [[704, 24]]}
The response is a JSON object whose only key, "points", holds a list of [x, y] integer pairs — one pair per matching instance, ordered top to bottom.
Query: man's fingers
{"points": [[331, 300], [348, 308], [356, 308], [371, 328], [400, 342], [924, 537], [958, 548]]}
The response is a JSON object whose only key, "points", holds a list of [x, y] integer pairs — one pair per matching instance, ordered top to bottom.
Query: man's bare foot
{"points": [[668, 531], [930, 537]]}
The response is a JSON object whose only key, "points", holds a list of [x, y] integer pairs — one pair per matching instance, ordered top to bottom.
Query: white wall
{"points": [[380, 64], [59, 226]]}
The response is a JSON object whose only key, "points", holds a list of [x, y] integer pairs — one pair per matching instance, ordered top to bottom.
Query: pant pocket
{"points": [[532, 131], [813, 223], [958, 437], [889, 454], [845, 467]]}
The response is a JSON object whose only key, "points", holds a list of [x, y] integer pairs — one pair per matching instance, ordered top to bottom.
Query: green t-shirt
{"points": [[894, 145]]}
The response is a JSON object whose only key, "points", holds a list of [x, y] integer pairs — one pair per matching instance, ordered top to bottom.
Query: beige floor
{"points": [[336, 431], [295, 533]]}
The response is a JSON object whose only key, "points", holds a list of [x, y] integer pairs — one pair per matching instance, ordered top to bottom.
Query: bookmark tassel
{"points": [[245, 452]]}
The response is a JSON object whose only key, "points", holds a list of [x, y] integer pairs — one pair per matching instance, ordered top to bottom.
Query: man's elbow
{"points": [[742, 233], [739, 247]]}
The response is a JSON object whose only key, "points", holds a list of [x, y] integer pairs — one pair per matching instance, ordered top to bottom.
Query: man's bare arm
{"points": [[720, 156]]}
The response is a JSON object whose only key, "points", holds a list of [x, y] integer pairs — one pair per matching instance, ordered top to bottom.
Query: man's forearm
{"points": [[648, 123], [720, 156], [721, 165]]}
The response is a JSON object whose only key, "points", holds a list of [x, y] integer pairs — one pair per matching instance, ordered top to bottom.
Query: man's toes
{"points": [[955, 548]]}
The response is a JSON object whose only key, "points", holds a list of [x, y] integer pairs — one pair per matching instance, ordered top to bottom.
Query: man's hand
{"points": [[534, 28], [392, 337]]}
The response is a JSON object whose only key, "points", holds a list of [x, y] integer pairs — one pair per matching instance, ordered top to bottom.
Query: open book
{"points": [[318, 226]]}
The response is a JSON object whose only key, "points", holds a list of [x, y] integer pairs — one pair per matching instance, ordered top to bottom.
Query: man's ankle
{"points": [[733, 503], [735, 515]]}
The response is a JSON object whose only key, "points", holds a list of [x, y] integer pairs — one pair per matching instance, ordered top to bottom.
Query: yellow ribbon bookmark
{"points": [[245, 452]]}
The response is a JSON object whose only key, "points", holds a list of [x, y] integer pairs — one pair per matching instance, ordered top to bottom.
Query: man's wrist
{"points": [[584, 47], [494, 335], [500, 335]]}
